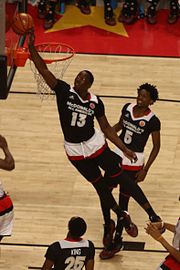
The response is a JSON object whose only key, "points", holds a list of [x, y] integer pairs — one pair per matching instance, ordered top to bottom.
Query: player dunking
{"points": [[137, 122], [85, 146], [6, 205], [73, 252]]}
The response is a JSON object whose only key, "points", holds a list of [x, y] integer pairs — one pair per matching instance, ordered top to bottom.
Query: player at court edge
{"points": [[137, 122], [86, 146], [6, 205], [73, 252], [172, 260]]}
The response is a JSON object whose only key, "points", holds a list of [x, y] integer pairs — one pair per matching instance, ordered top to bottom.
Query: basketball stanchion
{"points": [[57, 57]]}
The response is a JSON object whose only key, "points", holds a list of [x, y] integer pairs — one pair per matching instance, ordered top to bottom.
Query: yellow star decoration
{"points": [[73, 18]]}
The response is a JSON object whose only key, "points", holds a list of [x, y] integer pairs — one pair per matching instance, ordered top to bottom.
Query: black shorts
{"points": [[108, 161]]}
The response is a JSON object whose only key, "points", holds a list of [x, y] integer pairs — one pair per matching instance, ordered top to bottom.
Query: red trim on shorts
{"points": [[99, 151], [94, 155], [75, 157], [131, 168], [117, 174], [113, 176], [96, 180], [6, 204], [171, 263]]}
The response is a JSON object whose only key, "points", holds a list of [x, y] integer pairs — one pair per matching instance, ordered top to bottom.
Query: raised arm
{"points": [[41, 66], [118, 126], [111, 134], [7, 163]]}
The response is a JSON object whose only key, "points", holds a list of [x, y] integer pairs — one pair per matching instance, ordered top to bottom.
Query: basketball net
{"points": [[57, 57]]}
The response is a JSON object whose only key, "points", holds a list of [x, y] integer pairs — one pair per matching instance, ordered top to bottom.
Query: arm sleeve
{"points": [[60, 87], [124, 108], [100, 110], [155, 124], [52, 251], [91, 252]]}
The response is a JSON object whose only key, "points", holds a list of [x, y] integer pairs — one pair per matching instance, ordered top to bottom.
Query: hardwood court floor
{"points": [[47, 190]]}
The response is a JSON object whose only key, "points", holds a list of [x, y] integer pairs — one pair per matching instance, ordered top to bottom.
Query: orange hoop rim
{"points": [[49, 44]]}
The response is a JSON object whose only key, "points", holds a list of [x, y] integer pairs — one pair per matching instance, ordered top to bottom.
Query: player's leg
{"points": [[109, 161], [90, 170], [132, 191], [123, 202], [109, 225], [117, 242]]}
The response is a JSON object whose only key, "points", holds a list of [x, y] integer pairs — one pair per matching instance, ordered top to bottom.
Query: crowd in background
{"points": [[130, 11]]}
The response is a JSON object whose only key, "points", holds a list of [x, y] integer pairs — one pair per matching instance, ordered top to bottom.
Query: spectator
{"points": [[46, 11], [152, 11], [129, 12], [109, 17]]}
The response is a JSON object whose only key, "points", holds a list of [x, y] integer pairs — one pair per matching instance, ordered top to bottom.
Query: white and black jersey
{"points": [[77, 115], [136, 131], [70, 254]]}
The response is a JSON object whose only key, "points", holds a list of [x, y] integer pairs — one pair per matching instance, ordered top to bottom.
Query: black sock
{"points": [[150, 212]]}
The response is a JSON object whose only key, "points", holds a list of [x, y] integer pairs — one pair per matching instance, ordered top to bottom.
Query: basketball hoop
{"points": [[58, 57]]}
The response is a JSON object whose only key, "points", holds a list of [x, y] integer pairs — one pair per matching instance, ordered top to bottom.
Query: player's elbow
{"points": [[11, 166]]}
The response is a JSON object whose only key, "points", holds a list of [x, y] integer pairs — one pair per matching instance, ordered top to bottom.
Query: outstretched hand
{"points": [[153, 231]]}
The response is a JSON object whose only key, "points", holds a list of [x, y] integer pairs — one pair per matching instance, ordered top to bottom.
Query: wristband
{"points": [[162, 225]]}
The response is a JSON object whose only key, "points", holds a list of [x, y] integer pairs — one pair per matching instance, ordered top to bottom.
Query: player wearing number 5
{"points": [[137, 122], [73, 252]]}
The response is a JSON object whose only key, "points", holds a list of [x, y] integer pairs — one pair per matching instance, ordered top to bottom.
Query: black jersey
{"points": [[77, 115], [135, 131], [67, 254]]}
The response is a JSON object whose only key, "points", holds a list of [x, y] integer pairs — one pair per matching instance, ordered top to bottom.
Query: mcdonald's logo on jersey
{"points": [[142, 123]]}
